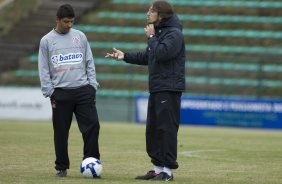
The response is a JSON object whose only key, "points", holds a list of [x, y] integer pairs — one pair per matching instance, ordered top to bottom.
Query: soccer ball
{"points": [[91, 167]]}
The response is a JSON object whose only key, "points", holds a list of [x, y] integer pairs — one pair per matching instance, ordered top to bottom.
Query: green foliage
{"points": [[14, 12], [206, 155]]}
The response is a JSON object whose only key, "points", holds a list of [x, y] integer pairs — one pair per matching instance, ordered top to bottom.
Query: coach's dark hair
{"points": [[164, 9], [64, 11]]}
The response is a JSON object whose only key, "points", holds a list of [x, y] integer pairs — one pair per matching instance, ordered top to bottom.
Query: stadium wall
{"points": [[25, 103], [227, 112]]}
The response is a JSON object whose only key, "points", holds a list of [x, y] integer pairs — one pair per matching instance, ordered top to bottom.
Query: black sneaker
{"points": [[61, 173], [150, 174], [97, 177], [162, 177]]}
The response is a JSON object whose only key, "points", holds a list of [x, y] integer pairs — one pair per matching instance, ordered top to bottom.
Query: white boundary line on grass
{"points": [[196, 153]]}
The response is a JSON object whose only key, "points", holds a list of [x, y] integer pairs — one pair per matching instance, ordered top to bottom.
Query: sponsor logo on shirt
{"points": [[76, 41], [67, 59]]}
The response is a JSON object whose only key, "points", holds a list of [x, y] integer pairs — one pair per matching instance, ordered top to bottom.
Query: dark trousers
{"points": [[81, 102], [162, 128]]}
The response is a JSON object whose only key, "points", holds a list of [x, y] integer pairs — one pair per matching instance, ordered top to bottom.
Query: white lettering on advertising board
{"points": [[24, 103]]}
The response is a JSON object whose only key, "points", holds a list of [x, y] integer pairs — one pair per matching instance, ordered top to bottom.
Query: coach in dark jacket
{"points": [[165, 57]]}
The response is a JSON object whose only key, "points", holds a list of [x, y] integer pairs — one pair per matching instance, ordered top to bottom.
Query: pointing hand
{"points": [[116, 54]]}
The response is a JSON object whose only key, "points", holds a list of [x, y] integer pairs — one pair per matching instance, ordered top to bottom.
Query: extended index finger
{"points": [[109, 55]]}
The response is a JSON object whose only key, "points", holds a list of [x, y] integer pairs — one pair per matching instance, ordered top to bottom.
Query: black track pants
{"points": [[81, 102], [162, 128]]}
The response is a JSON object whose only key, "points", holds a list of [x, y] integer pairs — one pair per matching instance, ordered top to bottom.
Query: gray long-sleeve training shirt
{"points": [[65, 61]]}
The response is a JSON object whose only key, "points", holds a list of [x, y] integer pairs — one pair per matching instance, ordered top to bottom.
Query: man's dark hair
{"points": [[164, 9], [64, 11]]}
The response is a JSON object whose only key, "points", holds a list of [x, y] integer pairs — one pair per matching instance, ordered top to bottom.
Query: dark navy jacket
{"points": [[165, 57]]}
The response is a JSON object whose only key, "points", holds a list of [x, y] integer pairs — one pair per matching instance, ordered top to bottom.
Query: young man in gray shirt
{"points": [[68, 77]]}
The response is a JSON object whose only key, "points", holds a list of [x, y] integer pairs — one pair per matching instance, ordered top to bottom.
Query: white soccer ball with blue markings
{"points": [[91, 167]]}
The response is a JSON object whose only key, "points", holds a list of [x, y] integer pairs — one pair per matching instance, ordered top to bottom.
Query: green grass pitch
{"points": [[206, 155]]}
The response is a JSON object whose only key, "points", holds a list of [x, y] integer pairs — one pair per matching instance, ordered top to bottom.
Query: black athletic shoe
{"points": [[61, 173], [150, 174], [97, 177], [162, 177]]}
